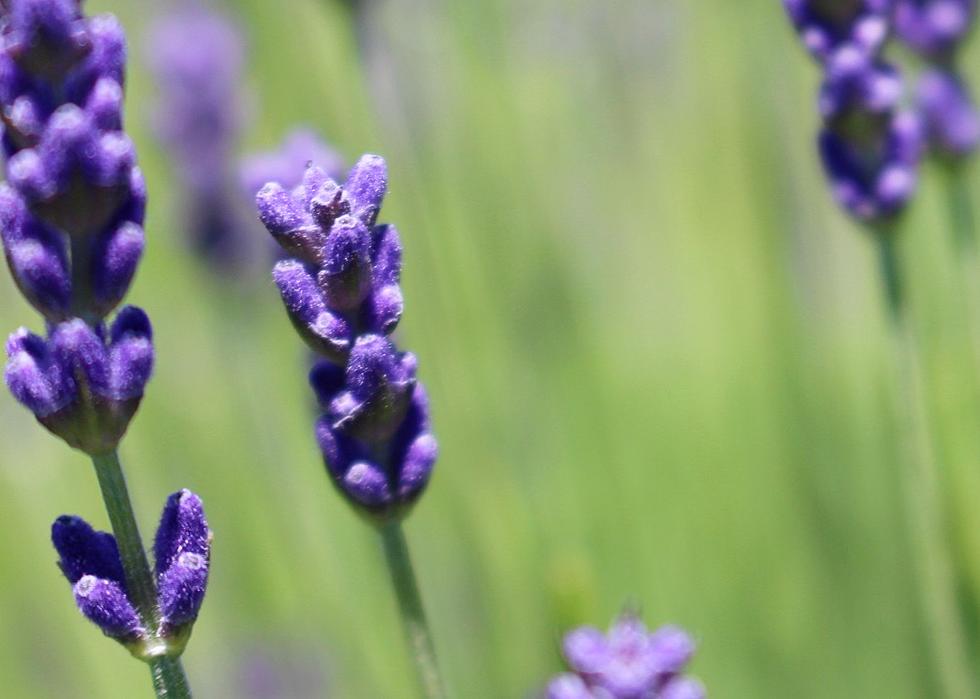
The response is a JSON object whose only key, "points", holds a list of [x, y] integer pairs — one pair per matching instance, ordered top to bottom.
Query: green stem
{"points": [[963, 221], [921, 490], [416, 627], [168, 676]]}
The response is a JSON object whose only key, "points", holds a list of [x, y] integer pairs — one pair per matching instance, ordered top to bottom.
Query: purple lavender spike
{"points": [[950, 117], [182, 550], [105, 604], [628, 662]]}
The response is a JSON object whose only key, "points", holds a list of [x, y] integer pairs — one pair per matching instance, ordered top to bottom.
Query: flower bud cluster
{"points": [[936, 30], [869, 145], [71, 219], [340, 286], [91, 562], [628, 662]]}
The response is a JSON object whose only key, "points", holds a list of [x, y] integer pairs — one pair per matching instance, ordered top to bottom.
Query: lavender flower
{"points": [[828, 27], [934, 28], [197, 56], [951, 120], [869, 148], [287, 164], [71, 215], [341, 290], [91, 562], [628, 662]]}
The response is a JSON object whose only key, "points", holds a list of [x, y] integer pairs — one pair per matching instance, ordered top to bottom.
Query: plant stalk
{"points": [[921, 489], [416, 628], [169, 679]]}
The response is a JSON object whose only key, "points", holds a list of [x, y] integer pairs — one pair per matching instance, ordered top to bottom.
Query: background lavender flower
{"points": [[828, 27], [934, 28], [197, 56], [949, 115], [288, 162], [90, 560], [628, 662]]}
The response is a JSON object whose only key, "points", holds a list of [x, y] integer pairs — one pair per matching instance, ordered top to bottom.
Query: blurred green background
{"points": [[655, 350]]}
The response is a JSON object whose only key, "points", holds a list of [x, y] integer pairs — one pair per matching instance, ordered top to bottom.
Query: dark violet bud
{"points": [[827, 27], [934, 28], [951, 120], [287, 164], [116, 253], [347, 268], [130, 357], [35, 378], [375, 435], [182, 550], [90, 560], [626, 663]]}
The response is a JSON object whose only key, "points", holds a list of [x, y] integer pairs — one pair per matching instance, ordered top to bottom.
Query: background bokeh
{"points": [[655, 350]]}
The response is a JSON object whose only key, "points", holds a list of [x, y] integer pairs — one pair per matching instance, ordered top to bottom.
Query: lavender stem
{"points": [[921, 488], [417, 633], [169, 679]]}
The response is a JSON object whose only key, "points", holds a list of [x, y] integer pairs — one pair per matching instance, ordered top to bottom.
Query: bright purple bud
{"points": [[827, 27], [934, 28], [45, 37], [951, 119], [287, 164], [366, 185], [115, 256], [345, 277], [325, 332], [82, 354], [130, 357], [35, 378], [182, 550], [104, 603], [628, 662]]}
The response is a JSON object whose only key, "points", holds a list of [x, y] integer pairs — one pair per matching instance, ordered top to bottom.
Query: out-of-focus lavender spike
{"points": [[828, 27], [934, 28], [197, 55], [950, 117], [289, 161], [182, 550], [626, 663]]}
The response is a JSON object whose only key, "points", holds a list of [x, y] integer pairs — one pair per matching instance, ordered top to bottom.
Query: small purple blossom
{"points": [[828, 27], [934, 28], [197, 56], [951, 119], [71, 214], [90, 560], [628, 662]]}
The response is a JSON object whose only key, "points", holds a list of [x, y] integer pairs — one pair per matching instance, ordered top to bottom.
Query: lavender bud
{"points": [[829, 26], [934, 28], [951, 120], [366, 185], [116, 253], [345, 278], [325, 332], [130, 358], [35, 378], [182, 550], [90, 560], [626, 663]]}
